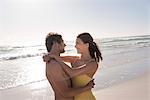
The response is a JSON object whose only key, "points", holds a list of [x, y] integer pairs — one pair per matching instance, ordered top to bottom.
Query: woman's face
{"points": [[81, 46]]}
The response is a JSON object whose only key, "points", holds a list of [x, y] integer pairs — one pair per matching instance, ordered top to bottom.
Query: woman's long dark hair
{"points": [[93, 48]]}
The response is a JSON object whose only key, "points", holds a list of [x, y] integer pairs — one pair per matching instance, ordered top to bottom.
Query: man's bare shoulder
{"points": [[53, 64], [53, 67]]}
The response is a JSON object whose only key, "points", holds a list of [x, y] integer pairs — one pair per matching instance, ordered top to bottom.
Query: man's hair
{"points": [[52, 38]]}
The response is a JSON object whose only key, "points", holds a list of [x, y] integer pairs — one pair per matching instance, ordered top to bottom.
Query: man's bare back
{"points": [[58, 79]]}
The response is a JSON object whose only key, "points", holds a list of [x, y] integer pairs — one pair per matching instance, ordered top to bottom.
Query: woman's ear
{"points": [[87, 44]]}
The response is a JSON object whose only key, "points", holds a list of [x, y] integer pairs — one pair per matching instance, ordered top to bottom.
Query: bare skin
{"points": [[90, 65], [79, 66], [59, 80]]}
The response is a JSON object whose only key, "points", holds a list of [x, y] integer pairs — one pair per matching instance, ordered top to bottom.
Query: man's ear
{"points": [[54, 44]]}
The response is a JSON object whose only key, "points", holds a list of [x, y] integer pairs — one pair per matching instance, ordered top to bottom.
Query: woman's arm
{"points": [[70, 59], [83, 69]]}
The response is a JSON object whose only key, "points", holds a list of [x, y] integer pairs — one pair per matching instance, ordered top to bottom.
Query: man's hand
{"points": [[91, 84]]}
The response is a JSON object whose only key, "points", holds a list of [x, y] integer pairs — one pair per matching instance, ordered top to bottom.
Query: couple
{"points": [[76, 82]]}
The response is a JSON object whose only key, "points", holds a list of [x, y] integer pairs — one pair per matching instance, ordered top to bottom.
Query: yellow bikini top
{"points": [[81, 80]]}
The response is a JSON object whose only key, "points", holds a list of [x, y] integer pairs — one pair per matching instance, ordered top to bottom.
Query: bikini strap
{"points": [[91, 60]]}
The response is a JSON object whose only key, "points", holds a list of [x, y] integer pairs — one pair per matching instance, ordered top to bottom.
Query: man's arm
{"points": [[84, 69], [58, 82]]}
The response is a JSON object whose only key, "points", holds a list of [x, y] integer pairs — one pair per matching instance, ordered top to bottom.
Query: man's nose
{"points": [[75, 46]]}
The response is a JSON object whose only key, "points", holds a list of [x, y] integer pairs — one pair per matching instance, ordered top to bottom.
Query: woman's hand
{"points": [[49, 57], [46, 58]]}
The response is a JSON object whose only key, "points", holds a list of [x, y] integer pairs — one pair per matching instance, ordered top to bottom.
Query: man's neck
{"points": [[54, 53]]}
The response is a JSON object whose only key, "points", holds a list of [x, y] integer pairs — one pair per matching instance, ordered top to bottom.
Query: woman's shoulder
{"points": [[91, 62]]}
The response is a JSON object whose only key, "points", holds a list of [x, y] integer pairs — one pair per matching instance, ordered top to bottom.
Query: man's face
{"points": [[62, 47]]}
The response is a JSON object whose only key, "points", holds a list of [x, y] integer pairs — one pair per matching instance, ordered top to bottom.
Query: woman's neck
{"points": [[86, 57]]}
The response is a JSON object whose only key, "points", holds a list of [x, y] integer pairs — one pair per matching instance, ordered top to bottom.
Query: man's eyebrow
{"points": [[62, 40]]}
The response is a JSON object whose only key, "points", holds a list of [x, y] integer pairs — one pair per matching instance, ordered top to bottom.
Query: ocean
{"points": [[124, 58]]}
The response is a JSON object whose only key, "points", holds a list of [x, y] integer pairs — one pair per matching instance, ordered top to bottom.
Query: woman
{"points": [[84, 67]]}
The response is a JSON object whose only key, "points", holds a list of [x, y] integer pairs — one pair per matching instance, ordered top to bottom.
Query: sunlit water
{"points": [[124, 58]]}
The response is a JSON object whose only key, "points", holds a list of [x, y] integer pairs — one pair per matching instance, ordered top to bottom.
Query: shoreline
{"points": [[133, 89]]}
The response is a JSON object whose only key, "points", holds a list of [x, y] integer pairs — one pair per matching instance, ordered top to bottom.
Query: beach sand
{"points": [[135, 89]]}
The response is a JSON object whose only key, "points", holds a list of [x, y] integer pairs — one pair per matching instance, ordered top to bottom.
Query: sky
{"points": [[27, 22]]}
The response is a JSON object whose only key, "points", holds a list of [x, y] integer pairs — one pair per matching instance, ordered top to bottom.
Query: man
{"points": [[59, 80]]}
